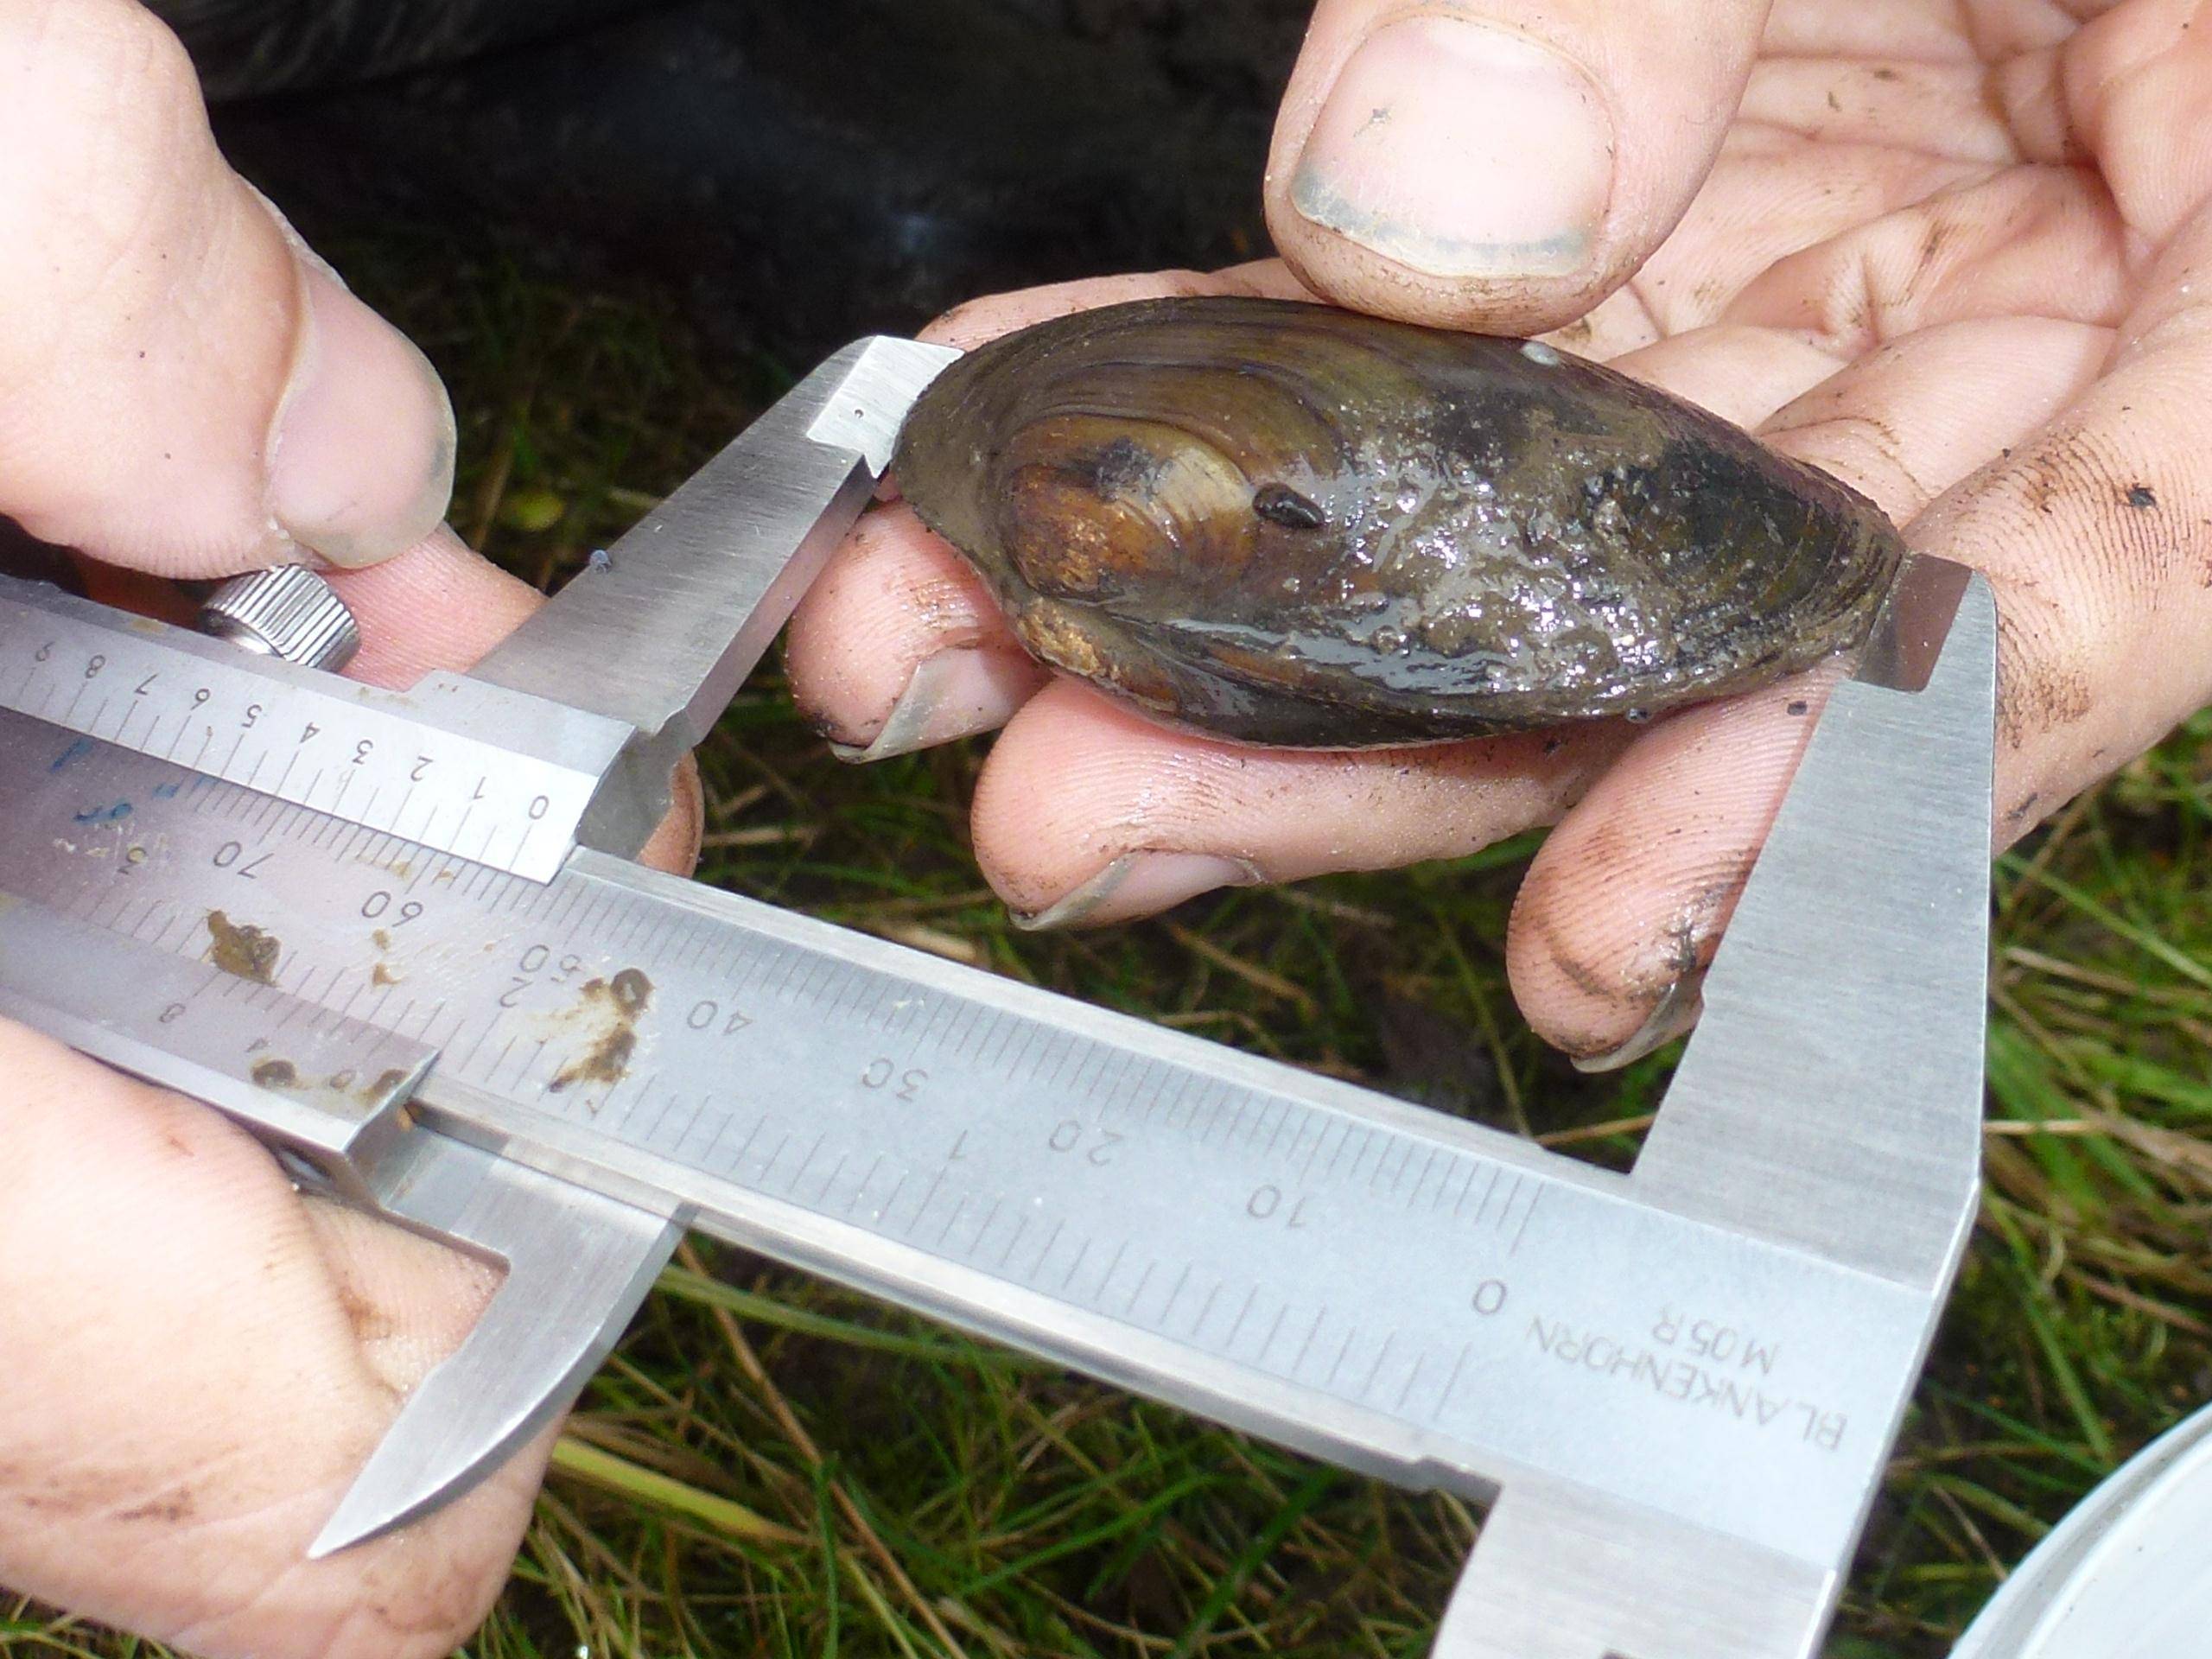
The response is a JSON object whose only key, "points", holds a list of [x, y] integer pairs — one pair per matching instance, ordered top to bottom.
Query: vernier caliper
{"points": [[401, 937]]}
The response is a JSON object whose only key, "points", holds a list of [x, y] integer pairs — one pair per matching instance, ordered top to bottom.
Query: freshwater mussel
{"points": [[1288, 524]]}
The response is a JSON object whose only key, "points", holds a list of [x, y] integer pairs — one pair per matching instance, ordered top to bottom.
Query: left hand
{"points": [[1960, 256], [195, 1359]]}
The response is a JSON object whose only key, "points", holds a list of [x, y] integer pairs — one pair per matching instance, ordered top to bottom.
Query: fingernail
{"points": [[1460, 149], [361, 452], [956, 693], [1142, 884], [1674, 1014]]}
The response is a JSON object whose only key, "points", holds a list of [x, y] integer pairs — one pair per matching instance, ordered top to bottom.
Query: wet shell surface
{"points": [[1288, 524]]}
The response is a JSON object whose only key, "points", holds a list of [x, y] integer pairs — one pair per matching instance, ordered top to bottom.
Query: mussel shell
{"points": [[1286, 524]]}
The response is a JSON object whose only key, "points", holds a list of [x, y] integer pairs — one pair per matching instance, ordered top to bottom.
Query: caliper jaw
{"points": [[660, 630], [1832, 1097], [1830, 1102], [578, 1265]]}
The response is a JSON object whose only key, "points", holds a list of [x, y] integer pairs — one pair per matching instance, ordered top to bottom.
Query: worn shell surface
{"points": [[1288, 524]]}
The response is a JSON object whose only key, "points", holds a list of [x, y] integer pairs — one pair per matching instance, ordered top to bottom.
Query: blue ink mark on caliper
{"points": [[76, 751], [162, 792], [114, 814]]}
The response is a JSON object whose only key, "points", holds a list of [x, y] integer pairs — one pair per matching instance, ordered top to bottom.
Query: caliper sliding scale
{"points": [[401, 938]]}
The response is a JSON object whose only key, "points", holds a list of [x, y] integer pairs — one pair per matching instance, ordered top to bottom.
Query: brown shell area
{"points": [[1288, 524]]}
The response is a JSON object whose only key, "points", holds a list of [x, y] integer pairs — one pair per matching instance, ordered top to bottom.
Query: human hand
{"points": [[1957, 254], [198, 1360]]}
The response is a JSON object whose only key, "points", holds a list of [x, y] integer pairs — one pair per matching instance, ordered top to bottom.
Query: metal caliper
{"points": [[400, 935]]}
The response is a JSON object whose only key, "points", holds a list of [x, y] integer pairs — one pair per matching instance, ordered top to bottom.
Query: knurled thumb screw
{"points": [[286, 611]]}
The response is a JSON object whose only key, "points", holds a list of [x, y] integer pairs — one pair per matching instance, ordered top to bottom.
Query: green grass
{"points": [[771, 1466]]}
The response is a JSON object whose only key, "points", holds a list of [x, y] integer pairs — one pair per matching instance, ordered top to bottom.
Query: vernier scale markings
{"points": [[501, 777]]}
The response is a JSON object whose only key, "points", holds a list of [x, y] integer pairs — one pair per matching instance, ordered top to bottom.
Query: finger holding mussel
{"points": [[1284, 524]]}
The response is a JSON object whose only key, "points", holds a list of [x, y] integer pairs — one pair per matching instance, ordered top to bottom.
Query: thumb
{"points": [[1488, 164], [183, 387]]}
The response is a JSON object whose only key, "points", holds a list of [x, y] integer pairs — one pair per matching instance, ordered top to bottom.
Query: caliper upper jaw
{"points": [[661, 630], [1830, 1102]]}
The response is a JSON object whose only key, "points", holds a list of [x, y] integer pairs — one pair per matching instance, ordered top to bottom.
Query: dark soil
{"points": [[797, 174]]}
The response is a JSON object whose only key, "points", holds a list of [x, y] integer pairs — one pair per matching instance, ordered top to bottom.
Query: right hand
{"points": [[1955, 253]]}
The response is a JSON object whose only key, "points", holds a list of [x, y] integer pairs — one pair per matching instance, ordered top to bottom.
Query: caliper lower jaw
{"points": [[577, 1264], [1561, 1572]]}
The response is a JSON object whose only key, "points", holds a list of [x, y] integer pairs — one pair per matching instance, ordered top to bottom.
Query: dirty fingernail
{"points": [[1460, 149], [362, 452], [956, 693], [1142, 884], [1674, 1012]]}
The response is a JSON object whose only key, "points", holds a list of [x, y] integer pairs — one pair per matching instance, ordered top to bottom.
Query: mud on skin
{"points": [[1288, 524]]}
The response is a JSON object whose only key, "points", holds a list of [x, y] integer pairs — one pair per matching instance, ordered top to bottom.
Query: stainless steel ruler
{"points": [[409, 947]]}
